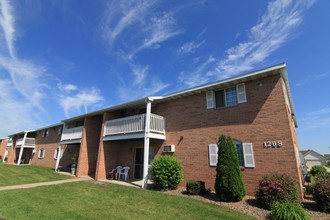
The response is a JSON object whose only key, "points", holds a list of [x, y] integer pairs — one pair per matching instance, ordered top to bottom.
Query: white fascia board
{"points": [[243, 76]]}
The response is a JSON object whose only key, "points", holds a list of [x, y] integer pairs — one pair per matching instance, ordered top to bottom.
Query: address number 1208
{"points": [[269, 144]]}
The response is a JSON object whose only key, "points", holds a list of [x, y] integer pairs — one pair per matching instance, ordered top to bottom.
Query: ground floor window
{"points": [[41, 153], [244, 153]]}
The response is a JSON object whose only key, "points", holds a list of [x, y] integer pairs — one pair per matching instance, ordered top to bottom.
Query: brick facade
{"points": [[264, 117], [49, 144], [3, 146]]}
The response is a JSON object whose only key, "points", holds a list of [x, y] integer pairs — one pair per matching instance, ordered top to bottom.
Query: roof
{"points": [[273, 70], [305, 152], [327, 156]]}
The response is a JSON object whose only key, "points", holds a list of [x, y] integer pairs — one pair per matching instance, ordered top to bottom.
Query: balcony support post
{"points": [[146, 144], [21, 150]]}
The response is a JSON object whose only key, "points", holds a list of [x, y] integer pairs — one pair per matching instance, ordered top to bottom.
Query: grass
{"points": [[16, 175], [87, 200]]}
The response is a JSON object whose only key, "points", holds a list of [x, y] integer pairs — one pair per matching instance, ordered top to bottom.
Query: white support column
{"points": [[146, 145], [21, 150], [59, 153]]}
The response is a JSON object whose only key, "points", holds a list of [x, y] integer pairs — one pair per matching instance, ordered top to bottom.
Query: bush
{"points": [[317, 170], [166, 172], [229, 184], [193, 187], [196, 187], [276, 188], [321, 192], [288, 210]]}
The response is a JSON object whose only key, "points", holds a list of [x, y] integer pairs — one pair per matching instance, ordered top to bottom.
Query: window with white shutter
{"points": [[241, 95], [210, 100], [213, 154], [248, 155]]}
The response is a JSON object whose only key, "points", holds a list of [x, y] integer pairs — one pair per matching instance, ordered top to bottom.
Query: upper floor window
{"points": [[226, 97], [46, 133]]}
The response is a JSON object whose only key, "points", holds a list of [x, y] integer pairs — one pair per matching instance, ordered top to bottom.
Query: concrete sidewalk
{"points": [[32, 185]]}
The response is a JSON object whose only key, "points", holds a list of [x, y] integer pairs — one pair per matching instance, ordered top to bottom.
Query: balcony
{"points": [[134, 127], [71, 135], [29, 142], [10, 143]]}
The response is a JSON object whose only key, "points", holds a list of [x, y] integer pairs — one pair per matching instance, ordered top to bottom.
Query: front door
{"points": [[138, 161]]}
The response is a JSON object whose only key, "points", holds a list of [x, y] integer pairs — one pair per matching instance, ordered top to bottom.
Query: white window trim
{"points": [[41, 153], [247, 154]]}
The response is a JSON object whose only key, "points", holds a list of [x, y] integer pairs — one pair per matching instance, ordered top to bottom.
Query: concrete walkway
{"points": [[32, 185]]}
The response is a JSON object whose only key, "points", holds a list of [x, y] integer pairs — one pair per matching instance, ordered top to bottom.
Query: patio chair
{"points": [[124, 172], [114, 173]]}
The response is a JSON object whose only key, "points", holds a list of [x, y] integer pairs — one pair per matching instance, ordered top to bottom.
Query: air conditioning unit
{"points": [[169, 148]]}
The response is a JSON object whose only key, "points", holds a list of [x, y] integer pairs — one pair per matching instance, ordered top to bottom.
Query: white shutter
{"points": [[241, 95], [210, 99], [56, 153], [213, 154], [248, 155]]}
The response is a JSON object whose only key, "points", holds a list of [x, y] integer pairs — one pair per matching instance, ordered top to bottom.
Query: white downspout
{"points": [[146, 144], [21, 150], [59, 153]]}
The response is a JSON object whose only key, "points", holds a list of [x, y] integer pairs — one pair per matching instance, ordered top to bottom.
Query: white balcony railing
{"points": [[134, 124], [71, 133], [28, 142], [10, 143]]}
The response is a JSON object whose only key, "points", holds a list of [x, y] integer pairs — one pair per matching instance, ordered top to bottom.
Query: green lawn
{"points": [[15, 175], [88, 200]]}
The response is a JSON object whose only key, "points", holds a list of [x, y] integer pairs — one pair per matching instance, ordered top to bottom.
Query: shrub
{"points": [[317, 170], [166, 172], [229, 184], [193, 187], [196, 187], [276, 188], [321, 192], [288, 210]]}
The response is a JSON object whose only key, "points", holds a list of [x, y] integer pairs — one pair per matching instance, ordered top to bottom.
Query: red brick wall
{"points": [[262, 118], [49, 143], [3, 146], [89, 146]]}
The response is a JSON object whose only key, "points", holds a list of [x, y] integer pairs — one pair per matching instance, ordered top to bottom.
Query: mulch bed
{"points": [[249, 205]]}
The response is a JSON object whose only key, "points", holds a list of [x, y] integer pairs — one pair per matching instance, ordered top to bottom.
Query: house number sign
{"points": [[273, 144]]}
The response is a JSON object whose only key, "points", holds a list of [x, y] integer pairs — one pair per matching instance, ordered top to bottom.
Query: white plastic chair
{"points": [[124, 172], [114, 173]]}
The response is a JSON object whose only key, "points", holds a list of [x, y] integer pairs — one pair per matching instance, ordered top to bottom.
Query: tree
{"points": [[229, 184]]}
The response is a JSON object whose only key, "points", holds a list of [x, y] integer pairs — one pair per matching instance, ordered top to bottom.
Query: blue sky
{"points": [[59, 59]]}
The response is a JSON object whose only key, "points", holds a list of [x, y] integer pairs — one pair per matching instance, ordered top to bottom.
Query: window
{"points": [[226, 97], [46, 133], [239, 150], [244, 152], [41, 153]]}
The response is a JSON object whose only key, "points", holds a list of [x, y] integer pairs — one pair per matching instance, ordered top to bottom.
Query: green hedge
{"points": [[321, 192]]}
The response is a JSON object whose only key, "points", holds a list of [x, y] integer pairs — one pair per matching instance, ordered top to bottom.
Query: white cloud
{"points": [[7, 25], [136, 26], [269, 34], [190, 47], [81, 101], [15, 115], [317, 120]]}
